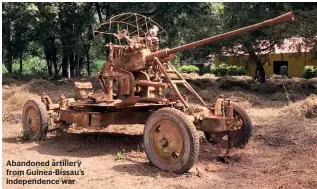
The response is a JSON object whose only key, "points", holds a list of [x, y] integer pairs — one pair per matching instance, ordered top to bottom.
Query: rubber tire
{"points": [[42, 113], [246, 128], [191, 141]]}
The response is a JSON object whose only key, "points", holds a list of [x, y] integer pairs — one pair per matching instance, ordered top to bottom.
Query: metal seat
{"points": [[83, 85], [85, 90]]}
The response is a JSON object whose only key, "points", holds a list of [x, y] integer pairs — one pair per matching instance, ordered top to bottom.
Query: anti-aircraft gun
{"points": [[134, 81]]}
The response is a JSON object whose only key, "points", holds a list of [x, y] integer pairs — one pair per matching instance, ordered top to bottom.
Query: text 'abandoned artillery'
{"points": [[135, 81]]}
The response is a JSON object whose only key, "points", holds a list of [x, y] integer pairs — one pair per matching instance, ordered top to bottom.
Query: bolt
{"points": [[158, 129], [164, 142], [175, 155]]}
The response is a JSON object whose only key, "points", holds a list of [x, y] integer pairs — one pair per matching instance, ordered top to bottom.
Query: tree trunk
{"points": [[99, 12], [9, 53], [9, 57], [54, 58], [21, 60], [48, 61], [88, 61], [81, 62], [64, 64], [72, 64], [76, 65], [68, 67], [9, 68], [260, 72]]}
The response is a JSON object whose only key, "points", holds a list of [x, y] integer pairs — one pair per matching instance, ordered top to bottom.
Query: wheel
{"points": [[34, 119], [240, 137], [171, 140]]}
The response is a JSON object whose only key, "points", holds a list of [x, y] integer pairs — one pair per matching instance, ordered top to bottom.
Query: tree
{"points": [[18, 22], [305, 24], [62, 33], [257, 44]]}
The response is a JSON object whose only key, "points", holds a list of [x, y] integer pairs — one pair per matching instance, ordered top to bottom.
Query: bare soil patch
{"points": [[282, 152]]}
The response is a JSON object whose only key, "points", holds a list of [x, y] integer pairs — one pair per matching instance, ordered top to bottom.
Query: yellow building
{"points": [[286, 54]]}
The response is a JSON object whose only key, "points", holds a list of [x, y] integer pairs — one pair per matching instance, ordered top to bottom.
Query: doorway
{"points": [[277, 66]]}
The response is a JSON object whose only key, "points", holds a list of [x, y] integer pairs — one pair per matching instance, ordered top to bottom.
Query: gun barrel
{"points": [[287, 17]]}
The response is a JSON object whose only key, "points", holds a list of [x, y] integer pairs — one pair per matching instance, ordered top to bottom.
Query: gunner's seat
{"points": [[84, 90]]}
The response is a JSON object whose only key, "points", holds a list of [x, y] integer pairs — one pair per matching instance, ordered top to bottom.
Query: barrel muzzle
{"points": [[287, 17]]}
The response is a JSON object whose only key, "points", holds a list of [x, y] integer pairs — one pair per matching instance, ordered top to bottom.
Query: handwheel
{"points": [[34, 119], [239, 137], [171, 140]]}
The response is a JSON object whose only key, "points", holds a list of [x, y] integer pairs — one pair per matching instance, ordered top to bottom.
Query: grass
{"points": [[305, 108], [24, 136], [120, 156]]}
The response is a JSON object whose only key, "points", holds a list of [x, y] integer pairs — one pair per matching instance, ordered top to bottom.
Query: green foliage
{"points": [[56, 31], [176, 63], [31, 66], [96, 66], [4, 69], [189, 69], [220, 70], [227, 70], [284, 70], [310, 72], [24, 136], [120, 155]]}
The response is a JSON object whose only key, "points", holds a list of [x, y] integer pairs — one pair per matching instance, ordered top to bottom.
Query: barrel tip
{"points": [[292, 15]]}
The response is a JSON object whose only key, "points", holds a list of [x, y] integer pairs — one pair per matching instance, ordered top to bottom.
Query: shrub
{"points": [[32, 65], [96, 66], [4, 69], [189, 69], [213, 69], [225, 69], [221, 70], [284, 70], [240, 71], [309, 72]]}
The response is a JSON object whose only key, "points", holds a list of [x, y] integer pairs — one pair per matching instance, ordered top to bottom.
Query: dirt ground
{"points": [[282, 152]]}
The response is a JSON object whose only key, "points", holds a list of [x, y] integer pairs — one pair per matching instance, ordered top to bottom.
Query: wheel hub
{"points": [[32, 120], [167, 141]]}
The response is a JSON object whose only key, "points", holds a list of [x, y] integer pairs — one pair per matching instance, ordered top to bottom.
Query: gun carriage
{"points": [[134, 81]]}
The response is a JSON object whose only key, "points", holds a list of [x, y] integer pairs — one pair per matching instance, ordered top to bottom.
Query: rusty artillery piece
{"points": [[134, 81]]}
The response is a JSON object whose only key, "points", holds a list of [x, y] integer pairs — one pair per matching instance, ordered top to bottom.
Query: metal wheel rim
{"points": [[32, 120], [167, 142]]}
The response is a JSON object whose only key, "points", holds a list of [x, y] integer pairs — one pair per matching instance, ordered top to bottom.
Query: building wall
{"points": [[296, 62]]}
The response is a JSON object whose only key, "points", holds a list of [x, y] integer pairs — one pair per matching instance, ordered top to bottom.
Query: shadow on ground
{"points": [[92, 144]]}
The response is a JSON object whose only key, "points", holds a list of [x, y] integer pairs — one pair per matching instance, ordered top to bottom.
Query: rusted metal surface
{"points": [[142, 72], [135, 80], [151, 83], [83, 85], [174, 87], [110, 88], [46, 99], [32, 119], [102, 119], [207, 121], [219, 124], [167, 142]]}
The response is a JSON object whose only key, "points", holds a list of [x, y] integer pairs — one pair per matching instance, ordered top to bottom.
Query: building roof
{"points": [[291, 45]]}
